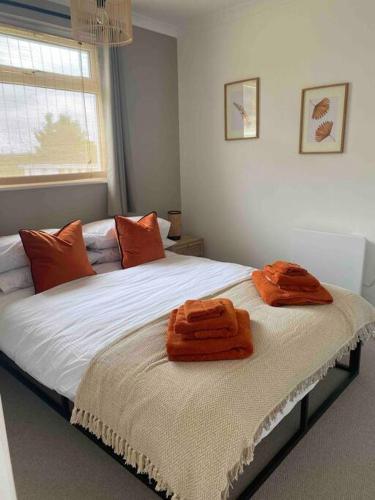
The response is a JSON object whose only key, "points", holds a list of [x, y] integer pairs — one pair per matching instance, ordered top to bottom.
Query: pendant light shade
{"points": [[102, 22]]}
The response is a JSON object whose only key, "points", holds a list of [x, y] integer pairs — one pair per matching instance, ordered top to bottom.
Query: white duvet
{"points": [[54, 335]]}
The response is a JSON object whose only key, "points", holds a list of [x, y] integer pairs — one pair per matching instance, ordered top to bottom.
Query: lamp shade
{"points": [[102, 22], [174, 216]]}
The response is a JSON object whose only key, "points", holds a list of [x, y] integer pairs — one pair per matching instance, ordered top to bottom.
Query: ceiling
{"points": [[178, 12], [175, 13]]}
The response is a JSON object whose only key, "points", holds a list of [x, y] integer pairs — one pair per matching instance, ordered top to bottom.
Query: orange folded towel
{"points": [[289, 268], [306, 282], [276, 296], [196, 310], [224, 325], [238, 347]]}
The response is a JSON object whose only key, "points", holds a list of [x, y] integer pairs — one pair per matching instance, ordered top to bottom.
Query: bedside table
{"points": [[188, 245]]}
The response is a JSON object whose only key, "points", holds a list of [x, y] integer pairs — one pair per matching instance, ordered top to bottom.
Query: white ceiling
{"points": [[178, 12], [170, 16]]}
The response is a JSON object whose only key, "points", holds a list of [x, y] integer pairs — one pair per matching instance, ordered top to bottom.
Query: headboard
{"points": [[51, 206]]}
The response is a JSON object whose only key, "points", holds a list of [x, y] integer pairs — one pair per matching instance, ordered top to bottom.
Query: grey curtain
{"points": [[118, 199]]}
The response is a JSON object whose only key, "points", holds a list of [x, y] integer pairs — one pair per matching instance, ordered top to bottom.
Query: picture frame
{"points": [[241, 109], [323, 119]]}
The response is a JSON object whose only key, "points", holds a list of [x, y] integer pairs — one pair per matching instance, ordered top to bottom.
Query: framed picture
{"points": [[241, 109], [323, 119]]}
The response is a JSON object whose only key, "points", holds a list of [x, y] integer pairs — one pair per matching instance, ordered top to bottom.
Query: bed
{"points": [[53, 342]]}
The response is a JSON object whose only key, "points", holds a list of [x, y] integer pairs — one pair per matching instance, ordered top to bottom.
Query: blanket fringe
{"points": [[122, 448], [247, 456], [143, 464]]}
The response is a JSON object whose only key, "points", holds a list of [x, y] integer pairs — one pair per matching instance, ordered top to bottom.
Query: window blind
{"points": [[51, 127]]}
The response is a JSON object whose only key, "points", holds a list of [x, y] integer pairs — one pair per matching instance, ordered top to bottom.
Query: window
{"points": [[51, 110]]}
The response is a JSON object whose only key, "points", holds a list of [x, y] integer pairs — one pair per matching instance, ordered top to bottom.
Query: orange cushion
{"points": [[140, 241], [56, 258]]}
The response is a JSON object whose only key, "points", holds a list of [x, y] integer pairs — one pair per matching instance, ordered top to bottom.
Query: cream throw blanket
{"points": [[193, 426]]}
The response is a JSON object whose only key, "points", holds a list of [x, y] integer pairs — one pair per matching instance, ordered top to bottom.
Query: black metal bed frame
{"points": [[64, 406]]}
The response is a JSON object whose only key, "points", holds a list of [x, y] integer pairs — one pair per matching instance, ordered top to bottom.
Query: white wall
{"points": [[245, 197]]}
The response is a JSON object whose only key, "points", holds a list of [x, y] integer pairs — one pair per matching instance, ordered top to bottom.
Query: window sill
{"points": [[46, 185]]}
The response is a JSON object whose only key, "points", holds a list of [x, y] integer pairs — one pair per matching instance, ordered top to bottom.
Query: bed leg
{"points": [[355, 359], [354, 362], [65, 406], [304, 419]]}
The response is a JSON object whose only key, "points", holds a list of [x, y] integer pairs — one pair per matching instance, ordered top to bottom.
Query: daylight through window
{"points": [[50, 101]]}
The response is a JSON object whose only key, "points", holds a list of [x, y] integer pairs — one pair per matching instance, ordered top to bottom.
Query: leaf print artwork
{"points": [[241, 104], [321, 109], [243, 113], [323, 118], [323, 131]]}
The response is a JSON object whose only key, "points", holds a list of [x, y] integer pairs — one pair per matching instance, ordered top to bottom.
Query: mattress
{"points": [[91, 313]]}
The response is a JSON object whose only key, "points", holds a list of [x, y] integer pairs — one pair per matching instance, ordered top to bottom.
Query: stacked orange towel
{"points": [[288, 268], [303, 281], [285, 283], [204, 309], [219, 321], [208, 330]]}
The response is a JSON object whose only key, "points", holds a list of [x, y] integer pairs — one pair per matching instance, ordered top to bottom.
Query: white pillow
{"points": [[101, 234], [12, 254], [93, 256], [104, 256], [16, 279]]}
